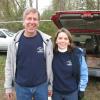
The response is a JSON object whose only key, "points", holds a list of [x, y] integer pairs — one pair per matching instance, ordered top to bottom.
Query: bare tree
{"points": [[31, 2], [37, 4], [76, 4], [98, 4], [11, 9]]}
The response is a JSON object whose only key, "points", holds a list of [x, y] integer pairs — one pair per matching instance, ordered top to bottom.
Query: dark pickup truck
{"points": [[85, 29]]}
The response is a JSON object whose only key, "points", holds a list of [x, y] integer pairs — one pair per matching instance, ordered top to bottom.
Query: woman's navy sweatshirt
{"points": [[66, 70]]}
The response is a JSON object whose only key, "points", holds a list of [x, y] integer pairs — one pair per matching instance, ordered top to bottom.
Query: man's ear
{"points": [[23, 24], [38, 25]]}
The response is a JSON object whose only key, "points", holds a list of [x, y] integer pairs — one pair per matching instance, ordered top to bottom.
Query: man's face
{"points": [[31, 22]]}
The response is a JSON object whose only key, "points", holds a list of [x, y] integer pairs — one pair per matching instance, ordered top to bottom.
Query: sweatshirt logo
{"points": [[40, 50], [69, 63]]}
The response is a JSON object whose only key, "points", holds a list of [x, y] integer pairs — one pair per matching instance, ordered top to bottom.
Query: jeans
{"points": [[39, 92], [58, 96]]}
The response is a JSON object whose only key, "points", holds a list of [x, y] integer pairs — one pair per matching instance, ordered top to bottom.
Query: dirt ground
{"points": [[93, 89]]}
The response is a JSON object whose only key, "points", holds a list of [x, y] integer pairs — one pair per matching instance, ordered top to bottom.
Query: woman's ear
{"points": [[69, 43]]}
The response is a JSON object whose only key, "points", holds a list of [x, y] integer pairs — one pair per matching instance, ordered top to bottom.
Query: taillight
{"points": [[87, 15]]}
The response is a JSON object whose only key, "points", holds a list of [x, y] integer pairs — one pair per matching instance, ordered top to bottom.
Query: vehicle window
{"points": [[78, 23], [9, 33], [2, 35], [98, 37], [80, 40], [88, 42]]}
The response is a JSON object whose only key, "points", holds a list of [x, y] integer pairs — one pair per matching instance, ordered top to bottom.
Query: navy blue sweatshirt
{"points": [[31, 63], [66, 72]]}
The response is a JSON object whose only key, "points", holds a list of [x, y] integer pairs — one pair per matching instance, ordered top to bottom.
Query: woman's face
{"points": [[62, 40]]}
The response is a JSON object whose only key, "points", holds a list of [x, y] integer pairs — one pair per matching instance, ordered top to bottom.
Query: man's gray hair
{"points": [[31, 9]]}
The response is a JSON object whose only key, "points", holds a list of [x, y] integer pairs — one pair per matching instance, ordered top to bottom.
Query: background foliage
{"points": [[11, 11]]}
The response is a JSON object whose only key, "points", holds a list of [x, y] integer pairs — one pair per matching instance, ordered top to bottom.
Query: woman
{"points": [[69, 68]]}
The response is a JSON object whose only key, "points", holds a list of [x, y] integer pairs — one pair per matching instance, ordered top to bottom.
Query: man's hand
{"points": [[49, 93], [80, 95], [9, 96]]}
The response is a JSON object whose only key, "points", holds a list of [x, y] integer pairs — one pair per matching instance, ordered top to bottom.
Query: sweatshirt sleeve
{"points": [[83, 74]]}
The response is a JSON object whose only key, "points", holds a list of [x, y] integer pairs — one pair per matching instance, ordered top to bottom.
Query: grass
{"points": [[2, 64], [92, 92]]}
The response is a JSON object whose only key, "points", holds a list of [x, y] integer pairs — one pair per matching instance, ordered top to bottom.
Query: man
{"points": [[28, 63]]}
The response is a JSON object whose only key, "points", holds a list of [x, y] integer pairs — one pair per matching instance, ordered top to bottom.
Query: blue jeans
{"points": [[39, 92], [58, 96]]}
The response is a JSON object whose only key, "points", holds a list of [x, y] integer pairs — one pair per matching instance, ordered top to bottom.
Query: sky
{"points": [[42, 4]]}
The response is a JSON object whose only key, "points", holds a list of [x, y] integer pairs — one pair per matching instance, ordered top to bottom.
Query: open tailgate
{"points": [[76, 21]]}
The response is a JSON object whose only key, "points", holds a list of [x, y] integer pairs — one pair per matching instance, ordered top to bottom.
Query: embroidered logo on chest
{"points": [[40, 50], [69, 63]]}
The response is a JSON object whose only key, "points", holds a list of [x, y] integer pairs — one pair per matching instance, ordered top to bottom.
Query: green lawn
{"points": [[2, 64]]}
